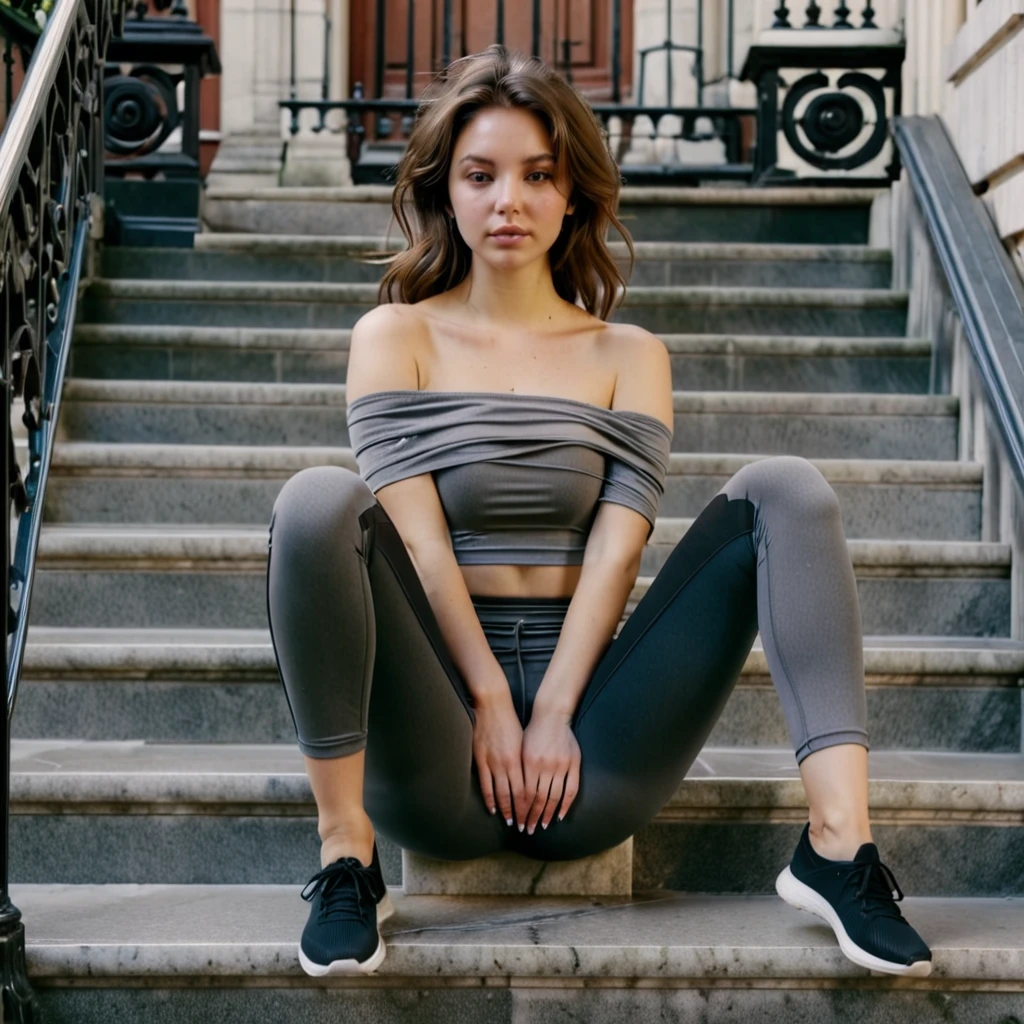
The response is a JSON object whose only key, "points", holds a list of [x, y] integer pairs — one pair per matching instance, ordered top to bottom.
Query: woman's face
{"points": [[503, 173]]}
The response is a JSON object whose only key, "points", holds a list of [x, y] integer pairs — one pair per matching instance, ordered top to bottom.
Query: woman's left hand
{"points": [[551, 760]]}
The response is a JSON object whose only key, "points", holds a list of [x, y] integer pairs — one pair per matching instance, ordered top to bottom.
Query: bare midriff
{"points": [[521, 580]]}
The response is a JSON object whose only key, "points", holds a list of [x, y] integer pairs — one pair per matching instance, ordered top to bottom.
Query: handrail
{"points": [[51, 194], [984, 284]]}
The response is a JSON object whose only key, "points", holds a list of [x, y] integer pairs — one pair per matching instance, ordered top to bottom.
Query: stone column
{"points": [[318, 158]]}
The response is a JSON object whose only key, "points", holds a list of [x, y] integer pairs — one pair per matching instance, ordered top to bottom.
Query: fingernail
{"points": [[493, 810], [508, 821], [543, 824], [521, 827], [529, 831]]}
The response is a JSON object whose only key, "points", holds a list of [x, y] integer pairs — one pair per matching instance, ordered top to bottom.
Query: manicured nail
{"points": [[493, 810], [508, 821], [543, 824], [521, 827], [529, 831]]}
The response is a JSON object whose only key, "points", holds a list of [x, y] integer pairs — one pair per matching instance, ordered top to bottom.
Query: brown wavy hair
{"points": [[437, 258]]}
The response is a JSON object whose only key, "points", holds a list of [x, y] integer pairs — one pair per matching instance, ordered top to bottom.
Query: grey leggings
{"points": [[364, 664]]}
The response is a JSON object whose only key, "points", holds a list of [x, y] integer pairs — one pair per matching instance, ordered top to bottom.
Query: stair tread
{"points": [[652, 195], [229, 241], [684, 295], [318, 339], [275, 393], [160, 457], [228, 541], [227, 652], [129, 771], [252, 931]]}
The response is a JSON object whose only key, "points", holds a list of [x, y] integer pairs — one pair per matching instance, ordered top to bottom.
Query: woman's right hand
{"points": [[498, 751]]}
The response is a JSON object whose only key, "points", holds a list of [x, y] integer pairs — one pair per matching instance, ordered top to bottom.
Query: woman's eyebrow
{"points": [[473, 158]]}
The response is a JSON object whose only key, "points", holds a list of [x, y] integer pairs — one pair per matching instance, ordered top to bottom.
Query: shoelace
{"points": [[877, 888], [337, 899]]}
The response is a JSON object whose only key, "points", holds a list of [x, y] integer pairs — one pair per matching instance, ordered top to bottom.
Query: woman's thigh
{"points": [[364, 665], [662, 683], [421, 789]]}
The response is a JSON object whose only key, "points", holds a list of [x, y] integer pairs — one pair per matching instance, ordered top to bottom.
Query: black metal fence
{"points": [[747, 136]]}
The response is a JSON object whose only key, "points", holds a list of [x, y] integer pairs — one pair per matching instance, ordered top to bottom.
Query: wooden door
{"points": [[585, 24]]}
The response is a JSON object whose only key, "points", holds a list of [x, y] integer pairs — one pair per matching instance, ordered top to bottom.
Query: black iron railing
{"points": [[381, 119], [844, 130], [51, 184]]}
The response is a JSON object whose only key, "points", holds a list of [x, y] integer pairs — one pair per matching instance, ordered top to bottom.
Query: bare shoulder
{"points": [[383, 349], [643, 380]]}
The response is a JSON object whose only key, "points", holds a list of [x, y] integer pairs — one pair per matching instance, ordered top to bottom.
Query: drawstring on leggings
{"points": [[516, 634], [522, 674]]}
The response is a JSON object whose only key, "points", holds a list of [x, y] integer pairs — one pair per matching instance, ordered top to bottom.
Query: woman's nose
{"points": [[508, 195]]}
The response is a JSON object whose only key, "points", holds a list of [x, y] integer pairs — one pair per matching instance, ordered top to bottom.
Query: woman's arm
{"points": [[382, 357], [415, 509], [616, 542]]}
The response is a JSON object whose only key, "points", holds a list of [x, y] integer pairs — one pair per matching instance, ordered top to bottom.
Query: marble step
{"points": [[817, 216], [299, 258], [697, 309], [723, 362], [768, 423], [101, 482], [180, 575], [222, 686], [947, 824], [184, 953]]}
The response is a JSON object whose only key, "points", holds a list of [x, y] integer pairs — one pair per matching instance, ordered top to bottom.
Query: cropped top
{"points": [[519, 476]]}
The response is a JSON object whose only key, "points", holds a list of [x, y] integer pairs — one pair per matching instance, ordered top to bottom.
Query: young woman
{"points": [[444, 620]]}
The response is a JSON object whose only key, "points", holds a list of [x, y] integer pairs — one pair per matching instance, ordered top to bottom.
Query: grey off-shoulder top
{"points": [[519, 476]]}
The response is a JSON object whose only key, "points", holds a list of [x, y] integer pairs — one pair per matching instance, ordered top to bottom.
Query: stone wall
{"points": [[983, 108]]}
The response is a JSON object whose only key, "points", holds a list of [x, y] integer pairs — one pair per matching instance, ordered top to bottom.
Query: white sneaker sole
{"points": [[803, 897], [352, 966]]}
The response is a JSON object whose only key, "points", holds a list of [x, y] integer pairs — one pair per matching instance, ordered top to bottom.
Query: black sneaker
{"points": [[858, 899], [349, 901]]}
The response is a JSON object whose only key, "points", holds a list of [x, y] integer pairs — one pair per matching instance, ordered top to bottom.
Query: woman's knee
{"points": [[784, 481], [318, 503]]}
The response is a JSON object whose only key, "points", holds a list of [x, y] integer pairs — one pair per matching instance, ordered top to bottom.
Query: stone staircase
{"points": [[162, 823]]}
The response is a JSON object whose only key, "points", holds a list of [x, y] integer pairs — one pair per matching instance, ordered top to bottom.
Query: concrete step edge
{"points": [[639, 195], [334, 245], [636, 295], [313, 339], [81, 389], [101, 457], [218, 547], [55, 652], [756, 780], [249, 933]]}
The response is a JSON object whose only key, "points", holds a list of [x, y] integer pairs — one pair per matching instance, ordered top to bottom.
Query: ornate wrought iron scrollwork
{"points": [[140, 110], [834, 120], [51, 174]]}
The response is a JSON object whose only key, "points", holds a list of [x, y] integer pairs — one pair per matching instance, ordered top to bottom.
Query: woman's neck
{"points": [[523, 298]]}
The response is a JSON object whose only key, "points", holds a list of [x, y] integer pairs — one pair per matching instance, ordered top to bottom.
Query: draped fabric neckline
{"points": [[469, 395], [519, 475]]}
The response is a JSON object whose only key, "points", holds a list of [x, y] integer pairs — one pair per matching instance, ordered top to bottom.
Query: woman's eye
{"points": [[477, 176]]}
